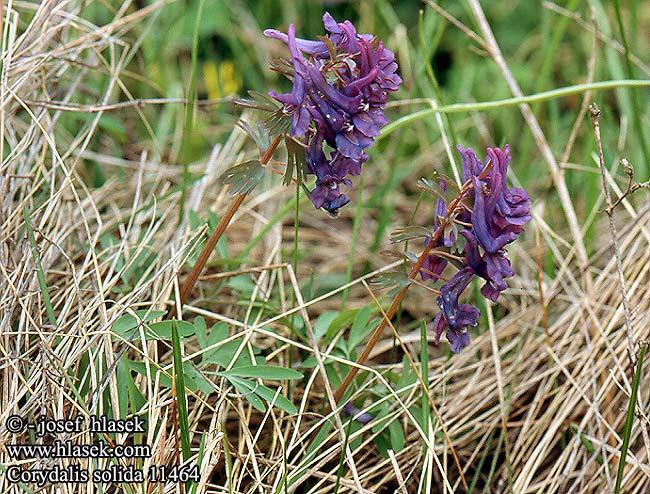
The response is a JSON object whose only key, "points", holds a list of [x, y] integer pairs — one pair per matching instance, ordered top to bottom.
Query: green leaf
{"points": [[258, 101], [278, 123], [260, 136], [296, 160], [244, 177], [433, 185], [194, 219], [213, 220], [409, 233], [395, 280], [243, 284], [343, 320], [127, 322], [324, 323], [360, 328], [162, 330], [201, 330], [219, 332], [223, 354], [309, 363], [263, 372], [156, 374], [408, 375], [123, 376], [332, 376], [194, 380], [246, 388], [250, 389], [136, 398], [280, 401], [355, 427], [396, 434], [318, 441], [383, 445]]}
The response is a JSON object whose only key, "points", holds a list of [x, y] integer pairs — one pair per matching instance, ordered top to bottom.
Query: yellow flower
{"points": [[221, 80]]}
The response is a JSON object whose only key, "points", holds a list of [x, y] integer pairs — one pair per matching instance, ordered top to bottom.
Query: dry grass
{"points": [[536, 405]]}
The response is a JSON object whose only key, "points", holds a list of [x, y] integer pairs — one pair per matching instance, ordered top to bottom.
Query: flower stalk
{"points": [[495, 219], [213, 239], [399, 297]]}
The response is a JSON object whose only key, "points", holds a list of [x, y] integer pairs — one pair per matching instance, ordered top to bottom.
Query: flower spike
{"points": [[340, 89]]}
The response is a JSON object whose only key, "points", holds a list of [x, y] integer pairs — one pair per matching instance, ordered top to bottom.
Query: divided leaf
{"points": [[258, 101], [296, 160], [244, 177], [409, 233], [394, 280]]}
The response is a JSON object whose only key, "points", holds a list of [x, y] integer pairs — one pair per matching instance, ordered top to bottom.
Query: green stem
{"points": [[432, 77], [635, 100], [491, 105], [189, 111], [296, 229], [355, 236], [296, 251], [40, 274], [424, 370], [181, 398], [629, 420], [339, 472]]}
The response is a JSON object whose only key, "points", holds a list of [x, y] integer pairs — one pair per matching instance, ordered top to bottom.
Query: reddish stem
{"points": [[209, 246], [390, 313]]}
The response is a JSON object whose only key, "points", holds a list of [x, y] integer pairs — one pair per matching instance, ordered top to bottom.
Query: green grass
{"points": [[42, 283], [629, 419]]}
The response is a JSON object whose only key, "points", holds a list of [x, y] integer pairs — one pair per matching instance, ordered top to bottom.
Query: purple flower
{"points": [[337, 99], [471, 166], [499, 212], [494, 220], [489, 235], [434, 265], [493, 268], [456, 317], [362, 418]]}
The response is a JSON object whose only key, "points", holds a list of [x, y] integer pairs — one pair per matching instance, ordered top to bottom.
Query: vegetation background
{"points": [[117, 127]]}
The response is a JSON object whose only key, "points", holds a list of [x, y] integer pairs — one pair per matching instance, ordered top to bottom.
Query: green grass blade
{"points": [[432, 77], [492, 105], [636, 109], [189, 112], [355, 238], [40, 274], [181, 403], [629, 421], [479, 468], [339, 471], [21, 485]]}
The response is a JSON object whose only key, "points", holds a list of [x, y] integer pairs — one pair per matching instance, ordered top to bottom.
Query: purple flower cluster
{"points": [[341, 88], [495, 219], [363, 418]]}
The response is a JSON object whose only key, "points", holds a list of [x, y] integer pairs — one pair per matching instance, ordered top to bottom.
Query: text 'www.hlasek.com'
{"points": [[59, 451]]}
